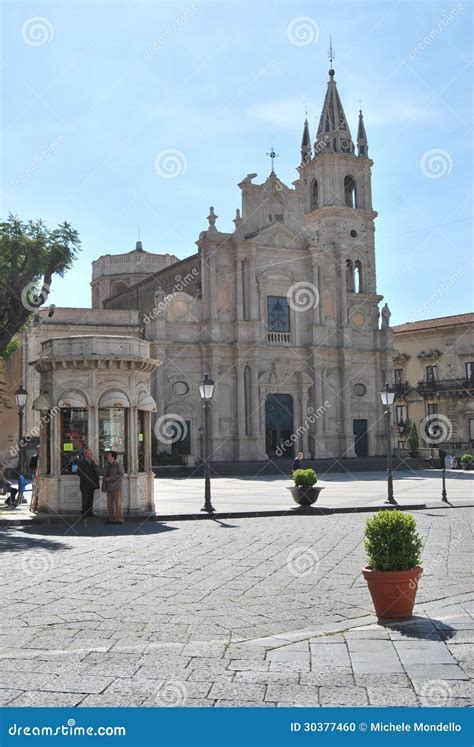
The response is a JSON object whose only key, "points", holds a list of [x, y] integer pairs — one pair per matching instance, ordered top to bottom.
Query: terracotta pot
{"points": [[304, 495], [393, 592]]}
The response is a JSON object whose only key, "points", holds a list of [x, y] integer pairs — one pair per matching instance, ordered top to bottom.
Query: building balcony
{"points": [[279, 338], [461, 387], [401, 388]]}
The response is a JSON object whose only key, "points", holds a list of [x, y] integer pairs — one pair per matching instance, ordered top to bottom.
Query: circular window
{"points": [[354, 234], [180, 388], [359, 390]]}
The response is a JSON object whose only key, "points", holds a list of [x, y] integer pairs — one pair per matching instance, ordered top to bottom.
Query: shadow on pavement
{"points": [[95, 528], [13, 541], [423, 628]]}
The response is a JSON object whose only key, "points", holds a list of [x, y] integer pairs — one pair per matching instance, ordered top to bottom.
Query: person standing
{"points": [[297, 461], [88, 482], [112, 485]]}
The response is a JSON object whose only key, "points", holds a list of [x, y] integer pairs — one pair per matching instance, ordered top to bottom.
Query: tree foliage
{"points": [[30, 254], [413, 440], [392, 541]]}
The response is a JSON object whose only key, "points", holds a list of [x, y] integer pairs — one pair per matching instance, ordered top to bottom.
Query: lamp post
{"points": [[206, 390], [21, 395], [387, 398]]}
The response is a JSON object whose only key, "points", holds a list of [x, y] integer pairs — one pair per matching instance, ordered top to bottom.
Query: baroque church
{"points": [[282, 313]]}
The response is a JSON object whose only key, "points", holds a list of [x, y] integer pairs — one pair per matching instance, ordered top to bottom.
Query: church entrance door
{"points": [[279, 426], [361, 438]]}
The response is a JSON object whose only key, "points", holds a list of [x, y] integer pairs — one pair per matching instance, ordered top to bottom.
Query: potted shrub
{"points": [[467, 461], [304, 491], [393, 548]]}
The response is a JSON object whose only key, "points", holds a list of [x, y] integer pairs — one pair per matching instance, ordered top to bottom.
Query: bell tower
{"points": [[334, 188]]}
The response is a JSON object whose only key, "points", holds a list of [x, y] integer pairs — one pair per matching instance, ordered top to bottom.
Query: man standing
{"points": [[297, 461], [88, 482], [112, 485]]}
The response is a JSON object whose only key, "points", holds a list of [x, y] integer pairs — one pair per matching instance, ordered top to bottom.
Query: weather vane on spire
{"points": [[331, 53], [273, 155]]}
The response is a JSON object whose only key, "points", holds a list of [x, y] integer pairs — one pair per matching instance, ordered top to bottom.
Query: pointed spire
{"points": [[333, 131], [362, 144], [306, 152], [139, 246]]}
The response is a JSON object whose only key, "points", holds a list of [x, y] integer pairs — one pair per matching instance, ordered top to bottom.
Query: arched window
{"points": [[350, 191], [314, 195], [349, 276], [358, 277], [118, 288]]}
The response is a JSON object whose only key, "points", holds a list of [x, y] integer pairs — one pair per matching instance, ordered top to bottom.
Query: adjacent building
{"points": [[433, 374]]}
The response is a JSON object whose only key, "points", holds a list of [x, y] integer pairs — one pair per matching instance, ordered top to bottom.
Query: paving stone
{"points": [[242, 665], [436, 672], [337, 676], [286, 678], [390, 679], [76, 683], [237, 691], [292, 695], [6, 696], [342, 696], [392, 696], [35, 699]]}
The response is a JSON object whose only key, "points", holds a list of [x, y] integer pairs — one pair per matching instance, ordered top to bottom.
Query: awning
{"points": [[73, 399], [114, 399], [42, 402], [146, 402]]}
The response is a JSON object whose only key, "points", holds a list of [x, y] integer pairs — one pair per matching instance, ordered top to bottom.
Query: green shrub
{"points": [[413, 441], [466, 458], [305, 478], [392, 542]]}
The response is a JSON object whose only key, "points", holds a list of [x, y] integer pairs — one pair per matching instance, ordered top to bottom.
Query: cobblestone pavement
{"points": [[255, 612]]}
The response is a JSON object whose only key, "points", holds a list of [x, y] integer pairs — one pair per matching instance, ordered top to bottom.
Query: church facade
{"points": [[283, 313]]}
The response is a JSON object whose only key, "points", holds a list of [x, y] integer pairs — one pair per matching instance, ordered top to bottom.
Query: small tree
{"points": [[30, 254], [413, 440]]}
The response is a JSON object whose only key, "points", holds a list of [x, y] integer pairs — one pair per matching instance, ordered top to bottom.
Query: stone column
{"points": [[316, 283], [253, 290], [239, 306], [239, 372], [255, 408], [304, 422]]}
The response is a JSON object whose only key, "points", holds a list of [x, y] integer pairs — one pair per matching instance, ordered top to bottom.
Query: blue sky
{"points": [[101, 88]]}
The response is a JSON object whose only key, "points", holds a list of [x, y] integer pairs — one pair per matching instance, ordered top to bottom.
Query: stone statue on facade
{"points": [[386, 314]]}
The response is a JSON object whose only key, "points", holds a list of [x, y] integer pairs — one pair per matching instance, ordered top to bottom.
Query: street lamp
{"points": [[206, 390], [21, 395], [387, 398]]}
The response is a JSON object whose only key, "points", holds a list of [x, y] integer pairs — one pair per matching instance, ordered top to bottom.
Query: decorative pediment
{"points": [[279, 236]]}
